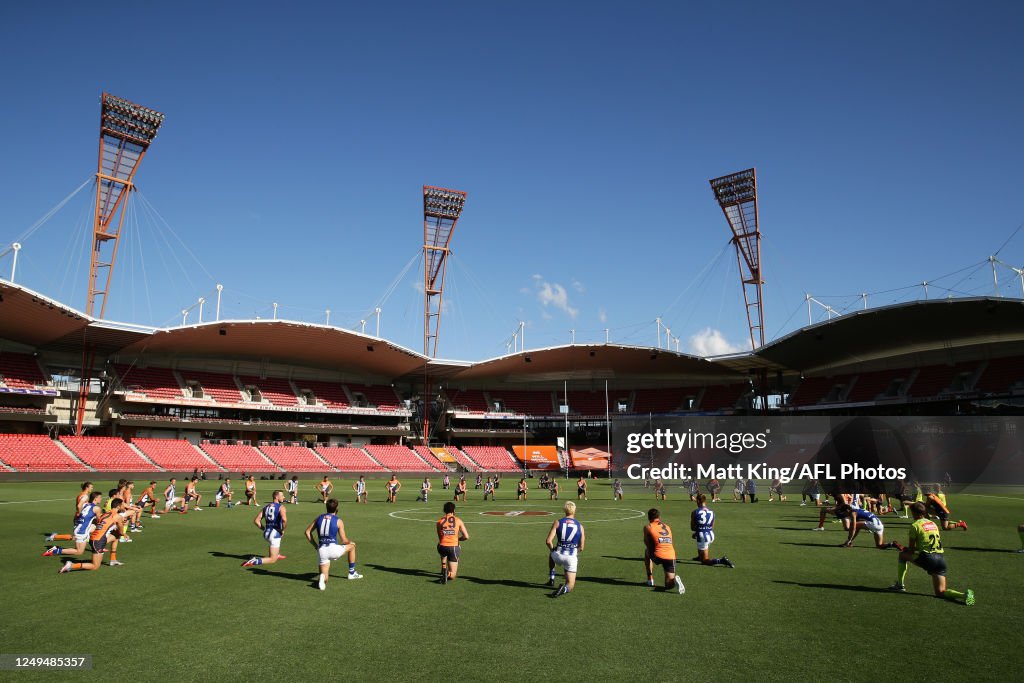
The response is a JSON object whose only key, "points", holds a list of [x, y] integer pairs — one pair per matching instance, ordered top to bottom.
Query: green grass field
{"points": [[796, 607]]}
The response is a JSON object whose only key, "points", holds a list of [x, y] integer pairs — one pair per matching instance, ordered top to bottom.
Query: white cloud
{"points": [[538, 277], [578, 286], [554, 295], [602, 316], [711, 342]]}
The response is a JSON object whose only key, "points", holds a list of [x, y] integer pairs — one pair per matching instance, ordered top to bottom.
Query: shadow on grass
{"points": [[790, 528], [812, 545], [972, 549], [217, 553], [625, 559], [408, 571], [308, 577], [608, 581], [504, 582], [845, 587]]}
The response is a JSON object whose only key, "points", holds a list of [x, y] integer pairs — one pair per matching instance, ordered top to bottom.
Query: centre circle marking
{"points": [[518, 513], [510, 515]]}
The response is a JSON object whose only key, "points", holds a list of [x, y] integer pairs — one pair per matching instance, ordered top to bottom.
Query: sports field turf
{"points": [[796, 607]]}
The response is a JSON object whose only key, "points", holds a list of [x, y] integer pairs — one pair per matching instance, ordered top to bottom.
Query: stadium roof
{"points": [[898, 330], [859, 338], [595, 362]]}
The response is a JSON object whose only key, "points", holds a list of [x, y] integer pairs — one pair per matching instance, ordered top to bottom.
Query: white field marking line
{"points": [[1019, 499], [16, 502], [397, 514]]}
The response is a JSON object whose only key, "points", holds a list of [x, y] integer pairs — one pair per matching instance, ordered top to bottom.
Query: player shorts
{"points": [[580, 492], [250, 494], [219, 496], [145, 500], [168, 503], [941, 514], [875, 526], [82, 537], [273, 537], [705, 539], [99, 546], [449, 552], [329, 553], [566, 560], [933, 563], [669, 565]]}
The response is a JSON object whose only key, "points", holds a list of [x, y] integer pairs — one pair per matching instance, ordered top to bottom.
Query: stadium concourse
{"points": [[270, 397]]}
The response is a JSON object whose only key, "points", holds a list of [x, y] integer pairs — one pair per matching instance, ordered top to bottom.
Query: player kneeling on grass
{"points": [[223, 491], [149, 498], [170, 498], [936, 506], [855, 519], [272, 520], [702, 524], [83, 526], [109, 527], [329, 529], [450, 533], [565, 541], [658, 549], [925, 550]]}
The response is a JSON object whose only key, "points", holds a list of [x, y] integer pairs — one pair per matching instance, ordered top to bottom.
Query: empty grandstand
{"points": [[37, 453], [107, 454], [176, 455], [238, 457], [295, 458], [492, 458], [348, 459], [400, 459]]}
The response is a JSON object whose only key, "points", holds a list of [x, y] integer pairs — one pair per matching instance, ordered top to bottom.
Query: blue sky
{"points": [[887, 141]]}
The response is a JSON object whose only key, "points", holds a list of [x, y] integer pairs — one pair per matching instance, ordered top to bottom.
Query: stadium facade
{"points": [[276, 396]]}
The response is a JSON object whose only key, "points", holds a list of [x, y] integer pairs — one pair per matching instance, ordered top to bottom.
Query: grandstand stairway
{"points": [[175, 455], [145, 457], [239, 457], [349, 459]]}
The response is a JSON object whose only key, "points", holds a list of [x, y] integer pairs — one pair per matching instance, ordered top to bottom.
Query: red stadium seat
{"points": [[20, 371], [36, 453], [107, 454], [175, 454], [238, 457], [295, 458], [398, 458], [493, 458], [348, 459]]}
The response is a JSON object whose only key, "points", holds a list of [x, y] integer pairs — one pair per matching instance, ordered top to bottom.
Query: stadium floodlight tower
{"points": [[126, 131], [737, 195], [441, 211]]}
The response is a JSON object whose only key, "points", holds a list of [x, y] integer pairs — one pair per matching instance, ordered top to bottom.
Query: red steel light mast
{"points": [[126, 131], [737, 196], [441, 211]]}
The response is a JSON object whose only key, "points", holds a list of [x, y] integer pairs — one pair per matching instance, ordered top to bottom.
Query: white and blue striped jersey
{"points": [[863, 515], [272, 516], [84, 518], [704, 523], [327, 528], [568, 533]]}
